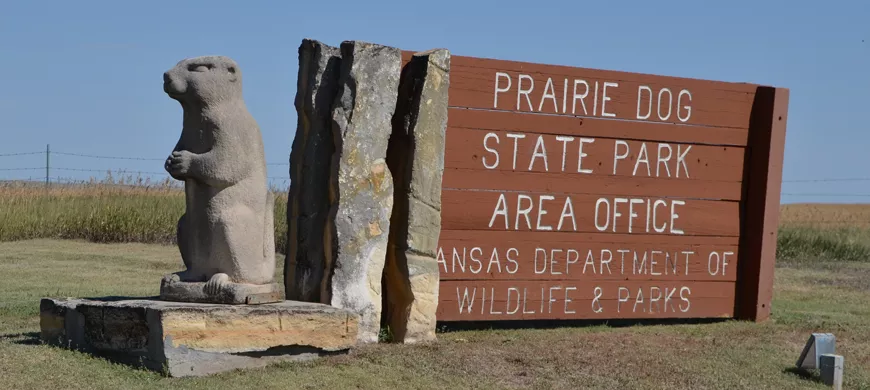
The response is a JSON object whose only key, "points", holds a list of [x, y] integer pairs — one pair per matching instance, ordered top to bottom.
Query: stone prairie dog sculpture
{"points": [[226, 236]]}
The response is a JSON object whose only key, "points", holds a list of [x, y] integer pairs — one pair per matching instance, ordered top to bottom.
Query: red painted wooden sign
{"points": [[573, 193]]}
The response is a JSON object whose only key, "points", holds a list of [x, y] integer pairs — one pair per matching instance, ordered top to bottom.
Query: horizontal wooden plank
{"points": [[496, 84], [594, 127], [582, 156], [574, 183], [535, 211], [591, 238], [498, 259], [516, 300]]}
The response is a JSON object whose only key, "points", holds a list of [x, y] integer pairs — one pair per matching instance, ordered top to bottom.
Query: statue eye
{"points": [[199, 68]]}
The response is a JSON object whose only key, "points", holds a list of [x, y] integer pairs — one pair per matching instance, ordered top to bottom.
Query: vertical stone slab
{"points": [[416, 158], [361, 188], [305, 272]]}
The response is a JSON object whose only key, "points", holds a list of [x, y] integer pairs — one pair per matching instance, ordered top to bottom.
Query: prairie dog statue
{"points": [[226, 236]]}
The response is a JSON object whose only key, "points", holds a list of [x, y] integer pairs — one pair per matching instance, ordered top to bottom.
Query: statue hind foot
{"points": [[216, 284], [218, 289]]}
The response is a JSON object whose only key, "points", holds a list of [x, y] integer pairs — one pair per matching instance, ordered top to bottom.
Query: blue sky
{"points": [[85, 76]]}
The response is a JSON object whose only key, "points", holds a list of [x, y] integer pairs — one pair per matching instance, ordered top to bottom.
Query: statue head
{"points": [[206, 80]]}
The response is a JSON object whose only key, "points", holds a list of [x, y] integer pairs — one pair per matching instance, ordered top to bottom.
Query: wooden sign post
{"points": [[573, 193]]}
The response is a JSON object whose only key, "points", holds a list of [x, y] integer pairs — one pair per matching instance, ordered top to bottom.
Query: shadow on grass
{"points": [[452, 326], [25, 338], [803, 374]]}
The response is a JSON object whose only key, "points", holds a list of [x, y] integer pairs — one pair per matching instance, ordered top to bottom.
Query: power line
{"points": [[20, 154], [107, 157], [123, 158], [108, 170], [827, 180], [792, 194]]}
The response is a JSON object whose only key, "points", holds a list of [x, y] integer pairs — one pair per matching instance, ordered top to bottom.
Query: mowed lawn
{"points": [[811, 296]]}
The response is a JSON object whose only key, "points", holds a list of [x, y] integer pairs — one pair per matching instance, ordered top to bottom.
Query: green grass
{"points": [[811, 243], [822, 285], [809, 297]]}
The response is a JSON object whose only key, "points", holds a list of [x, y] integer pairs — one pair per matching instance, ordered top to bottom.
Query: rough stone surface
{"points": [[416, 158], [361, 187], [226, 236], [306, 268], [232, 293], [190, 339]]}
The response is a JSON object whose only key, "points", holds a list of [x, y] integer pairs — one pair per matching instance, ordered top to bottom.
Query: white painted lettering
{"points": [[499, 76], [640, 90], [525, 92], [549, 93], [580, 97], [605, 99], [670, 101], [688, 108], [516, 137], [565, 139], [491, 150], [540, 152], [581, 155], [616, 155], [642, 157], [681, 159], [663, 161], [598, 204], [500, 209], [523, 211], [542, 211], [567, 211], [674, 215], [543, 253], [493, 259], [476, 260], [513, 261], [553, 261], [684, 296], [621, 298], [569, 300], [508, 308]]}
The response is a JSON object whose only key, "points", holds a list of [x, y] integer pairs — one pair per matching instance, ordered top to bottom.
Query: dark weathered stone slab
{"points": [[416, 158], [361, 185], [306, 269], [191, 339]]}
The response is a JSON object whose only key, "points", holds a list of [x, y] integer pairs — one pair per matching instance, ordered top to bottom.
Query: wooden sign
{"points": [[573, 193]]}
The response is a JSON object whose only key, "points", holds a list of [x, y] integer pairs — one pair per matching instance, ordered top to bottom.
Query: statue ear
{"points": [[233, 76]]}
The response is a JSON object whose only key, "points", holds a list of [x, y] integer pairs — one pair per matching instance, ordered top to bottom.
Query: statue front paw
{"points": [[178, 164]]}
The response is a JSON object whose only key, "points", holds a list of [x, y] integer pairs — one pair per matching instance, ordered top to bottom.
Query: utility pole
{"points": [[47, 163]]}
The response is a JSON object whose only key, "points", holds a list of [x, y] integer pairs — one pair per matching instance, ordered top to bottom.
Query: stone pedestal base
{"points": [[228, 293], [193, 339]]}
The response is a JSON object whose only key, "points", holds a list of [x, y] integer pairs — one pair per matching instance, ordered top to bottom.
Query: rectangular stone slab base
{"points": [[194, 339]]}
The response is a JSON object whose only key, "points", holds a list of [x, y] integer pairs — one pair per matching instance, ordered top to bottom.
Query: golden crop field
{"points": [[112, 210], [826, 215]]}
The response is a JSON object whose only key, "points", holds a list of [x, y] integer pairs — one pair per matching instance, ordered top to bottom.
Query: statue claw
{"points": [[216, 284]]}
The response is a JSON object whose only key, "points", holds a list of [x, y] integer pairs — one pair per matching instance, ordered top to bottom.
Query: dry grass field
{"points": [[109, 210], [826, 215], [105, 239]]}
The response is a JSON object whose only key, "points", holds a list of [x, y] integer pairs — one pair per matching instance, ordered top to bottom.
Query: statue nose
{"points": [[166, 78]]}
